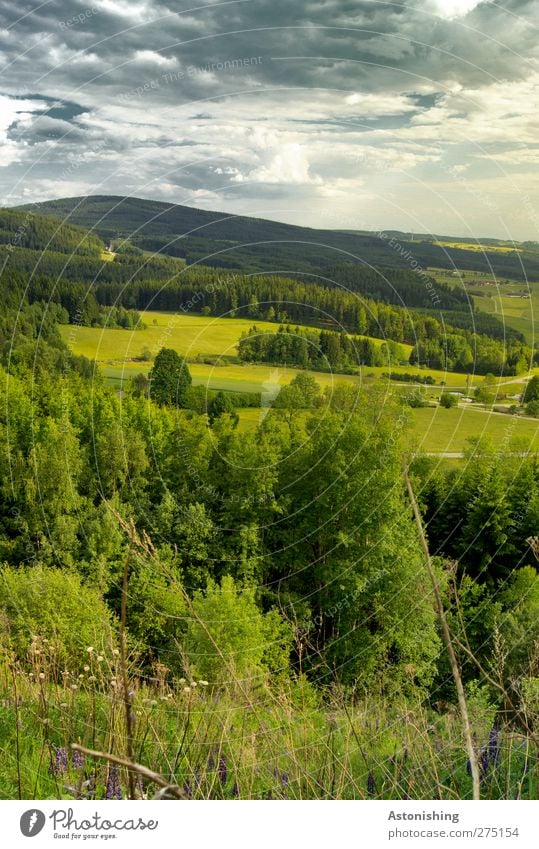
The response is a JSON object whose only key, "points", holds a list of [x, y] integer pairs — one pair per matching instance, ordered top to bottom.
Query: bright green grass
{"points": [[518, 312], [189, 335], [233, 378], [251, 378], [439, 431]]}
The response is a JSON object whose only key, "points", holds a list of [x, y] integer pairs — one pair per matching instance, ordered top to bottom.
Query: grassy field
{"points": [[514, 302], [513, 305], [189, 335], [434, 429], [440, 431]]}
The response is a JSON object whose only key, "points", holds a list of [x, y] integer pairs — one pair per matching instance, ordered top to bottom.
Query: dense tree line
{"points": [[26, 231], [253, 244], [355, 299], [436, 343], [318, 350], [482, 517], [321, 541]]}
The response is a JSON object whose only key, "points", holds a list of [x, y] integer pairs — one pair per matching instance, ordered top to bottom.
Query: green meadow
{"points": [[189, 335], [433, 429]]}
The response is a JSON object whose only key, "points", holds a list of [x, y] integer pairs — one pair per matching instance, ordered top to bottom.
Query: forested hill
{"points": [[41, 233], [254, 244]]}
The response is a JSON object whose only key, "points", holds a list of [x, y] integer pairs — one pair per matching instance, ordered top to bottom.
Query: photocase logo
{"points": [[32, 822]]}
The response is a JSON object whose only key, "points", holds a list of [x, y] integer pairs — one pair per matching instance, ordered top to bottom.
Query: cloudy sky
{"points": [[420, 115]]}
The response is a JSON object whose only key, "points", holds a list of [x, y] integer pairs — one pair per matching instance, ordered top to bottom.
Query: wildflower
{"points": [[90, 649], [115, 652], [100, 658], [86, 668], [41, 676], [92, 678], [203, 683], [74, 686], [187, 689], [153, 702], [63, 704], [493, 746], [77, 760], [59, 766], [222, 770], [371, 786], [113, 789], [188, 790], [236, 790]]}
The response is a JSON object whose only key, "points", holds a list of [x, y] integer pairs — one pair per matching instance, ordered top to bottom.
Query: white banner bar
{"points": [[271, 825]]}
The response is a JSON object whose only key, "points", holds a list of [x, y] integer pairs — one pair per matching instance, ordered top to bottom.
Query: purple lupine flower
{"points": [[494, 745], [77, 759], [484, 760], [211, 761], [59, 767], [222, 770], [284, 779], [371, 786], [113, 789], [188, 790], [236, 790]]}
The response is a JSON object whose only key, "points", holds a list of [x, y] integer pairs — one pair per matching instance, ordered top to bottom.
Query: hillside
{"points": [[39, 233], [251, 244]]}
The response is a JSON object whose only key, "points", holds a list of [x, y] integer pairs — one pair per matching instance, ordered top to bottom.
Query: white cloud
{"points": [[451, 8], [150, 57], [287, 164]]}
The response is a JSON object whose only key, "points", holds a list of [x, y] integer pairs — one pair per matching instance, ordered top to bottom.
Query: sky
{"points": [[418, 115]]}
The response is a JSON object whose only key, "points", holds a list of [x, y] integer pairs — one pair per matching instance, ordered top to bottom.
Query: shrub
{"points": [[448, 400], [55, 605], [229, 635]]}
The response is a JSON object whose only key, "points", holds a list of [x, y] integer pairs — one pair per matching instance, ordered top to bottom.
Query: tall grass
{"points": [[273, 740]]}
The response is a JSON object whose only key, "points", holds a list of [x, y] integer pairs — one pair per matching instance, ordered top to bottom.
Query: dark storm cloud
{"points": [[333, 44], [257, 98]]}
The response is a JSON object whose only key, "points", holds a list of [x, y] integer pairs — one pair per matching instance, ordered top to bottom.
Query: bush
{"points": [[415, 399], [448, 400], [532, 409], [54, 605], [230, 636]]}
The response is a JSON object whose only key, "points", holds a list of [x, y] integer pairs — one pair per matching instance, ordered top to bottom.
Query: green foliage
{"points": [[170, 379], [531, 393], [415, 399], [448, 400], [220, 405], [53, 605], [519, 623], [228, 637]]}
